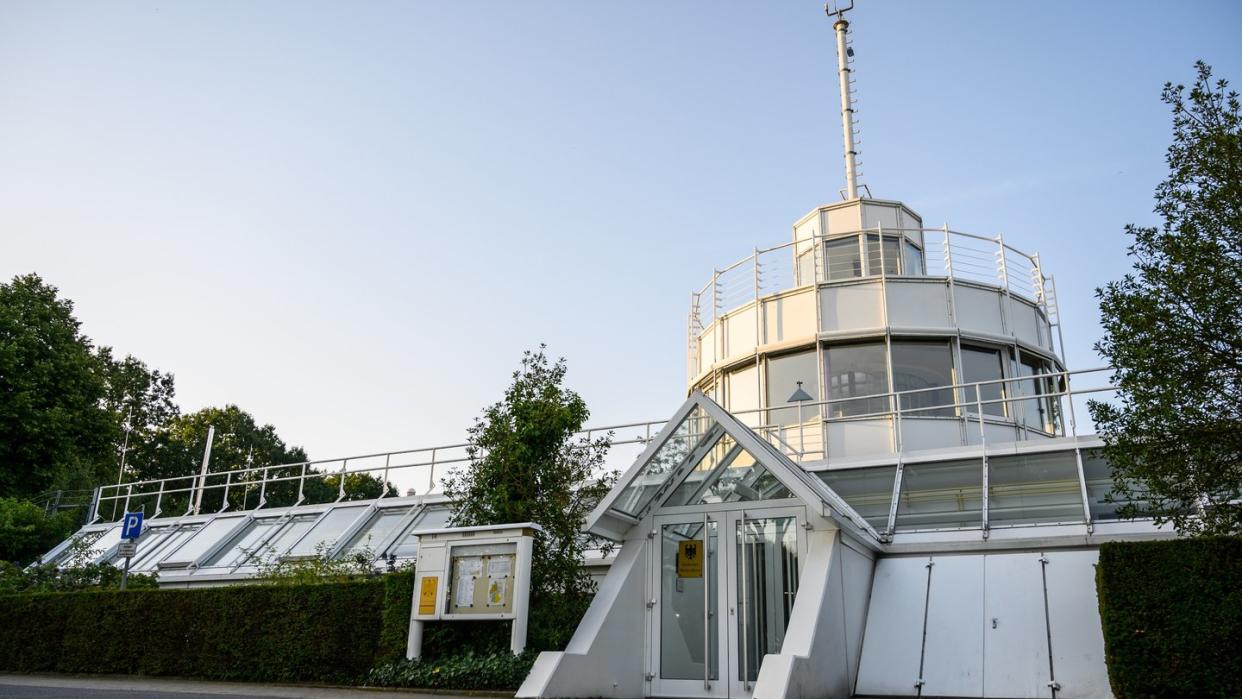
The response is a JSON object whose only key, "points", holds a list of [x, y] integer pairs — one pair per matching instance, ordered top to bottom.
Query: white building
{"points": [[875, 488]]}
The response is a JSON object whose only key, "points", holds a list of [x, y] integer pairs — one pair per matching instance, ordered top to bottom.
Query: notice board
{"points": [[482, 578]]}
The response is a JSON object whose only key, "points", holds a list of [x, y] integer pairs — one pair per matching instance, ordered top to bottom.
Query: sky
{"points": [[351, 219]]}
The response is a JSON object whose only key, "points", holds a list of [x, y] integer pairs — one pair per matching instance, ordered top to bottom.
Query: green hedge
{"points": [[1172, 617], [334, 632]]}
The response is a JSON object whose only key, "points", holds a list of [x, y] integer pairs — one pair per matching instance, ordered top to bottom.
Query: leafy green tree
{"points": [[1173, 329], [140, 398], [54, 429], [526, 465], [27, 531]]}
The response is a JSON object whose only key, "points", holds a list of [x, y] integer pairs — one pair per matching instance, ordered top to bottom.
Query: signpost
{"points": [[131, 529]]}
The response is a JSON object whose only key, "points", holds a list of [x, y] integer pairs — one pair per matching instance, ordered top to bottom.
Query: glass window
{"points": [[890, 255], [844, 258], [914, 260], [806, 267], [979, 364], [919, 366], [857, 370], [784, 373], [1037, 413], [705, 470], [650, 478], [1034, 488], [868, 490], [941, 495], [1100, 498], [430, 518], [329, 529], [211, 534], [288, 535], [373, 535], [244, 544], [153, 554], [689, 643]]}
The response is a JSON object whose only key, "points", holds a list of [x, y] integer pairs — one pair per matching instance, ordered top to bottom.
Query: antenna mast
{"points": [[841, 27]]}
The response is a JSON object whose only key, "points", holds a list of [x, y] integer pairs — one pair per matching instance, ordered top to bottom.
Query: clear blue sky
{"points": [[351, 218]]}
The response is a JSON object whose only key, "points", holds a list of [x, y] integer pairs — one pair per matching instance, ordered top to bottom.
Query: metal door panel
{"points": [[1074, 616], [1015, 633], [893, 640], [953, 659]]}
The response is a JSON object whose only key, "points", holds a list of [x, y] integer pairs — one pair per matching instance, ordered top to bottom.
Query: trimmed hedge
{"points": [[1172, 617], [334, 632]]}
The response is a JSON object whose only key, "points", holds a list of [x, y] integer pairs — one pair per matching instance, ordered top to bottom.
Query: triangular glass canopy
{"points": [[706, 456]]}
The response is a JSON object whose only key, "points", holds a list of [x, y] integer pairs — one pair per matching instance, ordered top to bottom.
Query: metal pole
{"points": [[847, 108], [120, 474], [202, 475], [125, 573], [745, 605], [707, 646]]}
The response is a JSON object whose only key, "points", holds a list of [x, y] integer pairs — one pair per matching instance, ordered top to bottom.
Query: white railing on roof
{"points": [[947, 254]]}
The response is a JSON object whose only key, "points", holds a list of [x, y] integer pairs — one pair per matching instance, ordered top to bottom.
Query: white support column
{"points": [[521, 595]]}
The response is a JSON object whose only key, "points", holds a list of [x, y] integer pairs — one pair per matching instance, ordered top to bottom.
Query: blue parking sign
{"points": [[131, 527]]}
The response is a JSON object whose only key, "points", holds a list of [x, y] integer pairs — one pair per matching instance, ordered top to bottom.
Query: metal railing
{"points": [[945, 254], [967, 406], [802, 441]]}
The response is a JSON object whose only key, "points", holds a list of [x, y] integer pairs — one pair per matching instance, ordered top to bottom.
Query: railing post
{"points": [[983, 448], [387, 463], [431, 475], [263, 489], [340, 491], [159, 501], [92, 513]]}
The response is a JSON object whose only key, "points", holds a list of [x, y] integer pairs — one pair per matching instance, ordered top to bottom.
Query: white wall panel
{"points": [[880, 215], [844, 220], [918, 305], [851, 307], [978, 310], [789, 317], [1022, 322], [740, 333], [744, 394], [930, 433], [848, 438], [1074, 617], [1015, 633], [893, 641], [953, 664]]}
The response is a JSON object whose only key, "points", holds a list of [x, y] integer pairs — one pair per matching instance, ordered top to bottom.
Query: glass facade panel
{"points": [[889, 257], [914, 260], [844, 261], [806, 267], [981, 364], [924, 365], [857, 370], [784, 373], [1036, 413], [705, 470], [1099, 476], [642, 488], [1034, 488], [868, 490], [943, 495], [428, 519], [329, 529], [209, 535], [373, 535], [286, 537], [245, 543], [155, 552], [767, 583], [685, 645]]}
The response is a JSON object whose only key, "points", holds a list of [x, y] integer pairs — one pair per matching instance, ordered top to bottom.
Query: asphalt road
{"points": [[54, 686]]}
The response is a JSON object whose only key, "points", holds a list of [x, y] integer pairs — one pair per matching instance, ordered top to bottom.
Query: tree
{"points": [[1173, 329], [140, 398], [54, 430], [527, 466], [28, 531]]}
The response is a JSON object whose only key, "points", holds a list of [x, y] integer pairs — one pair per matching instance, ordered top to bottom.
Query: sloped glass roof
{"points": [[237, 544]]}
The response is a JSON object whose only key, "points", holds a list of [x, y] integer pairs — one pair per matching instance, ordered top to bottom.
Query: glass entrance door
{"points": [[739, 566]]}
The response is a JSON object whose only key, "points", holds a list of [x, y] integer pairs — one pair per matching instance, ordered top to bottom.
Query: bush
{"points": [[49, 578], [1172, 617], [332, 632], [497, 670]]}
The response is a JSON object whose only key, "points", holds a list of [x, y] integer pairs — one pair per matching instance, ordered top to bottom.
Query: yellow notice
{"points": [[690, 558], [427, 594]]}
